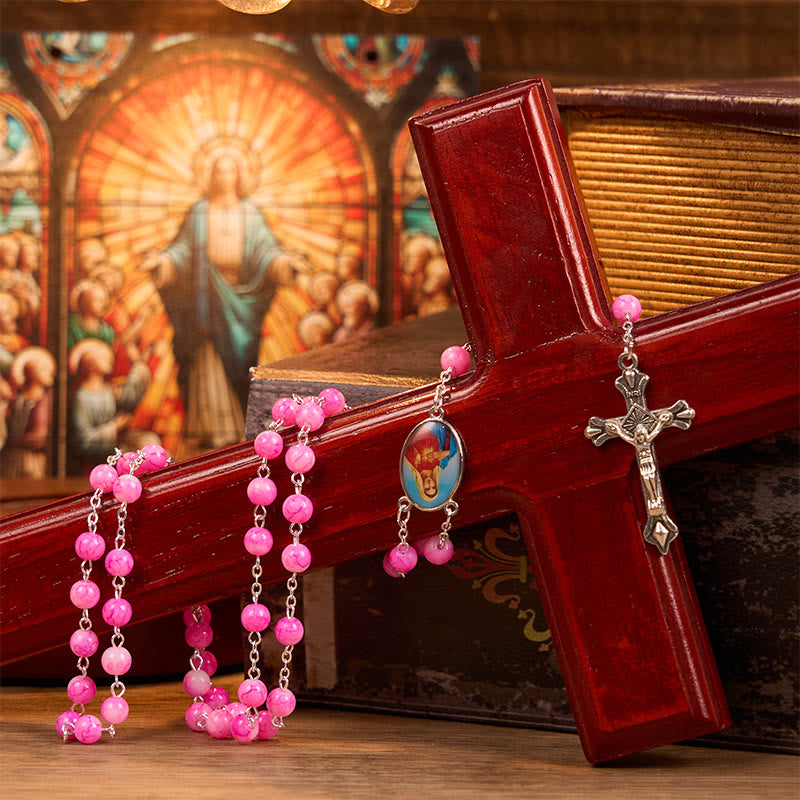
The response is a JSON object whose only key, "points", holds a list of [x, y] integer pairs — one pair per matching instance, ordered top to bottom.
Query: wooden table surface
{"points": [[349, 755]]}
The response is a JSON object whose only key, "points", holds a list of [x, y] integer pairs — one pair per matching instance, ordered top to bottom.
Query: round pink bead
{"points": [[626, 304], [457, 358], [334, 401], [283, 411], [310, 415], [268, 444], [155, 456], [300, 458], [124, 463], [103, 477], [127, 489], [262, 491], [297, 508], [258, 541], [90, 546], [436, 554], [296, 558], [403, 560], [119, 562], [388, 568], [84, 594], [117, 612], [188, 615], [255, 617], [289, 630], [199, 635], [83, 643], [116, 660], [209, 663], [196, 682], [81, 689], [252, 692], [216, 696], [281, 702], [235, 708], [114, 710], [194, 713], [67, 718], [218, 723], [243, 728], [88, 729], [266, 730]]}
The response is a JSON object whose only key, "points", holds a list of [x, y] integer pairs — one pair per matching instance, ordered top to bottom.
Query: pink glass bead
{"points": [[626, 304], [457, 358], [334, 401], [283, 411], [310, 415], [268, 444], [155, 455], [300, 458], [124, 463], [103, 477], [127, 489], [262, 491], [297, 508], [258, 541], [90, 546], [434, 553], [296, 558], [403, 560], [119, 562], [388, 568], [84, 594], [117, 612], [188, 615], [255, 617], [289, 630], [199, 635], [83, 643], [116, 660], [209, 663], [196, 682], [81, 689], [252, 692], [216, 697], [281, 702], [236, 708], [114, 710], [194, 713], [67, 718], [218, 723], [243, 728], [88, 729], [266, 730]]}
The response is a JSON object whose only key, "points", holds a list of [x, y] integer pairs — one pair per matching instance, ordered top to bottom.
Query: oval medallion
{"points": [[431, 464]]}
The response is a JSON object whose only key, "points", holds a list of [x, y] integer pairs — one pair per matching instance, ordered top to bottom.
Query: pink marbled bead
{"points": [[626, 304], [457, 358], [334, 401], [283, 411], [310, 415], [268, 444], [155, 456], [300, 458], [124, 463], [103, 477], [127, 489], [262, 491], [297, 508], [258, 541], [90, 546], [436, 554], [296, 558], [403, 560], [119, 562], [388, 568], [84, 594], [117, 612], [188, 615], [255, 617], [289, 630], [198, 635], [83, 643], [116, 660], [209, 663], [196, 682], [81, 689], [252, 692], [216, 696], [281, 702], [236, 708], [114, 710], [194, 713], [67, 718], [218, 723], [243, 728], [88, 729], [266, 730]]}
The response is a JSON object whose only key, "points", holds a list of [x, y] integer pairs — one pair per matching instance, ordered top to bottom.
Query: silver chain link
{"points": [[627, 358], [450, 510], [403, 515]]}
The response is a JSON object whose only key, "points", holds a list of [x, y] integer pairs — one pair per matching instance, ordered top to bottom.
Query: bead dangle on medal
{"points": [[431, 469]]}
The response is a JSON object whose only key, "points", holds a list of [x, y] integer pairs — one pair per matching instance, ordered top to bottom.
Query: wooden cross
{"points": [[624, 618]]}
